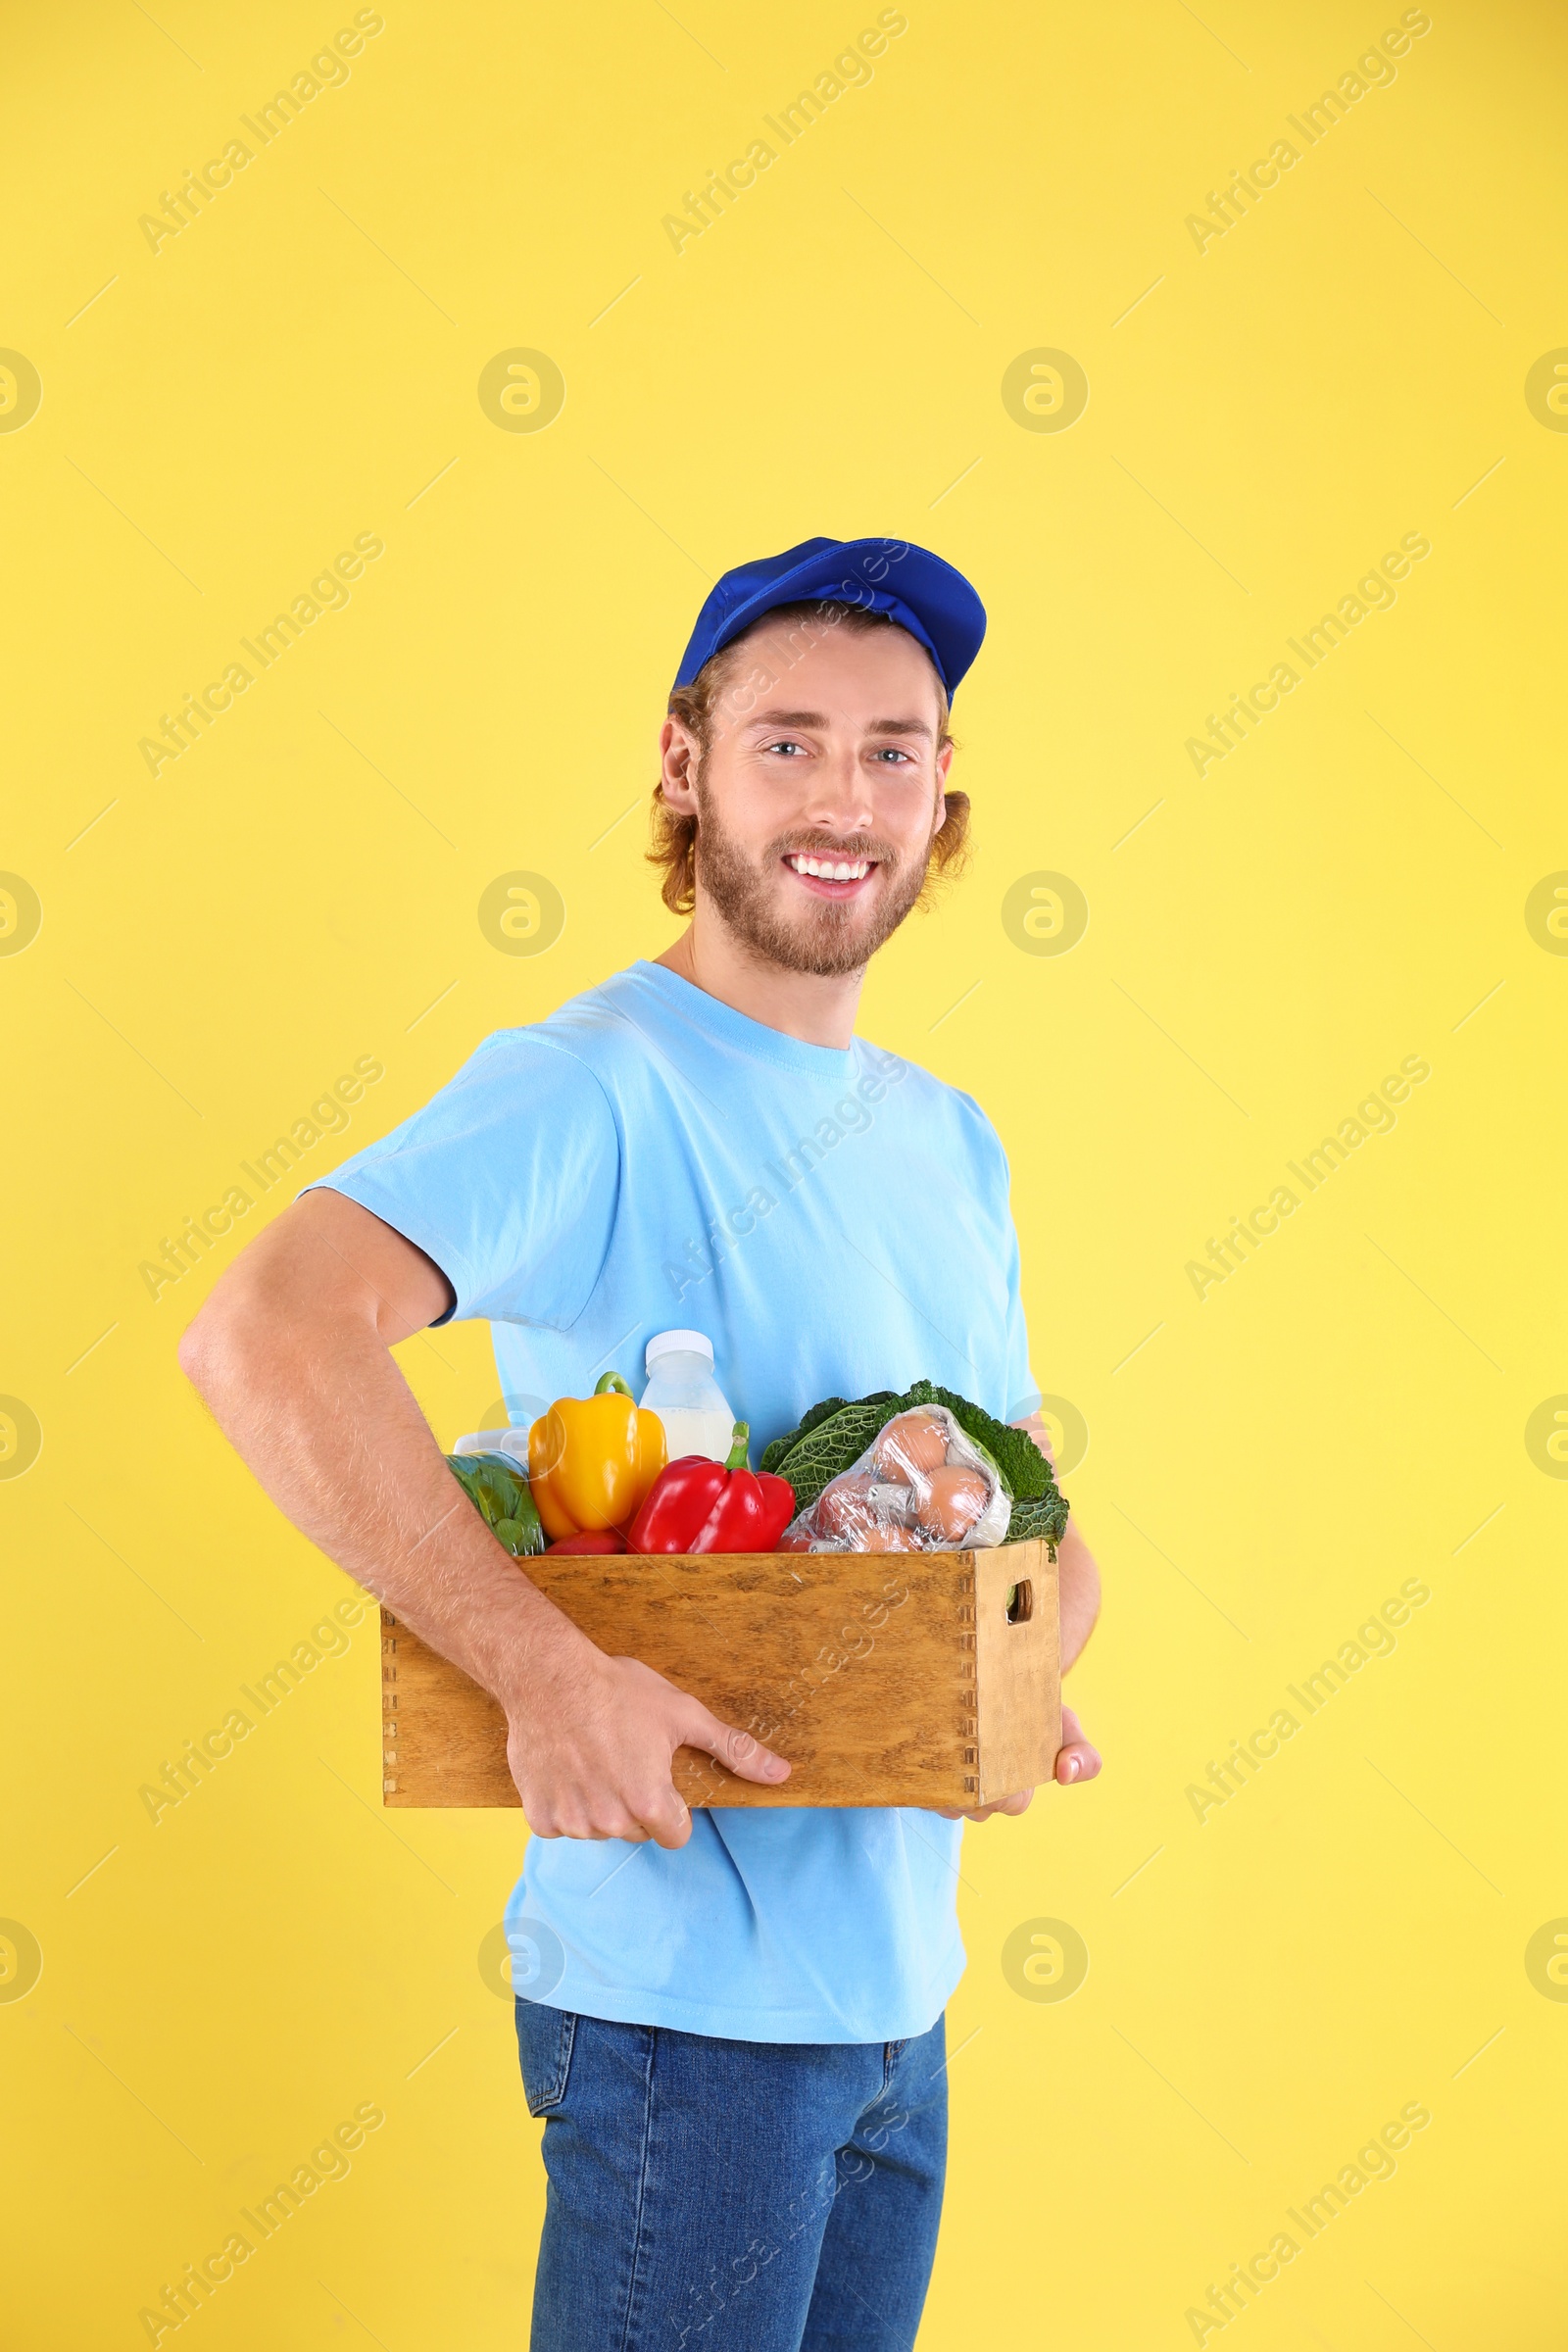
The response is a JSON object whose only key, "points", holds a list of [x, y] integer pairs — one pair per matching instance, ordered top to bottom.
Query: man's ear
{"points": [[678, 754], [943, 762]]}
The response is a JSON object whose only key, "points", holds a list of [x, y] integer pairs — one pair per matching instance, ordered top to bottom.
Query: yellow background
{"points": [[298, 890]]}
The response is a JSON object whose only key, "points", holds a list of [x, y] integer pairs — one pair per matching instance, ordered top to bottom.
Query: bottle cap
{"points": [[677, 1342]]}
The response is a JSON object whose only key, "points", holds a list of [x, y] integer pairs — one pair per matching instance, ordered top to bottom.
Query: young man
{"points": [[735, 2023]]}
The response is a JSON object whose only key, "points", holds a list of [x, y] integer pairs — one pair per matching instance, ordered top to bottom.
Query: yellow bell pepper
{"points": [[591, 1460]]}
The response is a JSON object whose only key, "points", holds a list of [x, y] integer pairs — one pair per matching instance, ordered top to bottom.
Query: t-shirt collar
{"points": [[737, 1030]]}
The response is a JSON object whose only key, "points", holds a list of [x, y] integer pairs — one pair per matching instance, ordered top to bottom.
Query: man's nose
{"points": [[840, 798]]}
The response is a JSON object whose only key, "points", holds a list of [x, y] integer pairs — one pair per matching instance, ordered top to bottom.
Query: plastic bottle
{"points": [[682, 1391], [513, 1441]]}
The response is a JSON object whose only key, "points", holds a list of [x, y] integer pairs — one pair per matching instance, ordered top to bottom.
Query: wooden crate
{"points": [[886, 1679]]}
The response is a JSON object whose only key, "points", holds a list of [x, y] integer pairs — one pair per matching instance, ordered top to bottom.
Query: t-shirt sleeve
{"points": [[992, 1177], [508, 1179], [1023, 1391]]}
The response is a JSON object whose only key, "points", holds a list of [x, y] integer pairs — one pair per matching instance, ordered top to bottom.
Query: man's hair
{"points": [[699, 707]]}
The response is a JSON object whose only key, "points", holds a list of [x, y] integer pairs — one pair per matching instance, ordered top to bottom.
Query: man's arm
{"points": [[292, 1354], [1078, 1582], [1078, 1586], [1078, 1589]]}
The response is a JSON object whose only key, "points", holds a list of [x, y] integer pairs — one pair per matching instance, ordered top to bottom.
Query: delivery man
{"points": [[732, 2022]]}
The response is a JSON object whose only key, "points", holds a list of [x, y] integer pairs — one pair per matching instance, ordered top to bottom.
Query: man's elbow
{"points": [[230, 1332], [208, 1347], [189, 1351]]}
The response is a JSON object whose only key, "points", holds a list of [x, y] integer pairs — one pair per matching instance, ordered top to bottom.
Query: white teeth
{"points": [[826, 870]]}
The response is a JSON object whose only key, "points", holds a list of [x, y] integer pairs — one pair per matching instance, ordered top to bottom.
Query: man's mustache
{"points": [[852, 846]]}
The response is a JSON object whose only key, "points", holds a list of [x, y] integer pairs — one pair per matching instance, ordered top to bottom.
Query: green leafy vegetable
{"points": [[834, 1434], [831, 1447], [775, 1454], [498, 1489], [1041, 1516]]}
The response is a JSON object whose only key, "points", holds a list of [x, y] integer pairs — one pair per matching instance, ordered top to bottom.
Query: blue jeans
{"points": [[732, 2196]]}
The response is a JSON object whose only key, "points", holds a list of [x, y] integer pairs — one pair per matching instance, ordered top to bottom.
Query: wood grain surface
{"points": [[886, 1679]]}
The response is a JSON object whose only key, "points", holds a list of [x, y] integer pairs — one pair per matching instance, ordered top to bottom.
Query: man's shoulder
{"points": [[595, 1030], [932, 1096]]}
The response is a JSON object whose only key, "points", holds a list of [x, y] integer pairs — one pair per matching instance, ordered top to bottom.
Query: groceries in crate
{"points": [[682, 1391], [511, 1440], [591, 1460], [592, 1463], [927, 1471], [921, 1484], [498, 1489], [697, 1504]]}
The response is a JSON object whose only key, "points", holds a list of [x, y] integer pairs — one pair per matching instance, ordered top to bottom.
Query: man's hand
{"points": [[591, 1742], [1076, 1760]]}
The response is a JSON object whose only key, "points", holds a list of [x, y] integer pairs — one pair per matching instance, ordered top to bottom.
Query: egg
{"points": [[913, 1444], [954, 1499], [845, 1505], [886, 1539]]}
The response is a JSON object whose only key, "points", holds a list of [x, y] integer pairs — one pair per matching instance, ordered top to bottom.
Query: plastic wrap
{"points": [[825, 1443], [922, 1485]]}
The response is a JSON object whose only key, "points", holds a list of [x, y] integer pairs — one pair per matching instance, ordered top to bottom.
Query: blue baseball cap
{"points": [[922, 594]]}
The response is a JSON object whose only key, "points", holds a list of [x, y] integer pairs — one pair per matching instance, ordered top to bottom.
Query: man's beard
{"points": [[826, 937]]}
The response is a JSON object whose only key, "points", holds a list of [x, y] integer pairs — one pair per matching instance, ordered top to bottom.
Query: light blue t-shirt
{"points": [[649, 1159]]}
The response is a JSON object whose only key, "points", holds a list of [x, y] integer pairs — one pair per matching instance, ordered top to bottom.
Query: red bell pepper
{"points": [[695, 1504], [608, 1539]]}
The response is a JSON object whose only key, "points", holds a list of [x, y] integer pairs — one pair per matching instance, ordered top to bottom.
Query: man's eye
{"points": [[785, 743], [890, 750]]}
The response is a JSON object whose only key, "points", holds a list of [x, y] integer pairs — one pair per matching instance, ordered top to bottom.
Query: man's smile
{"points": [[830, 877]]}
